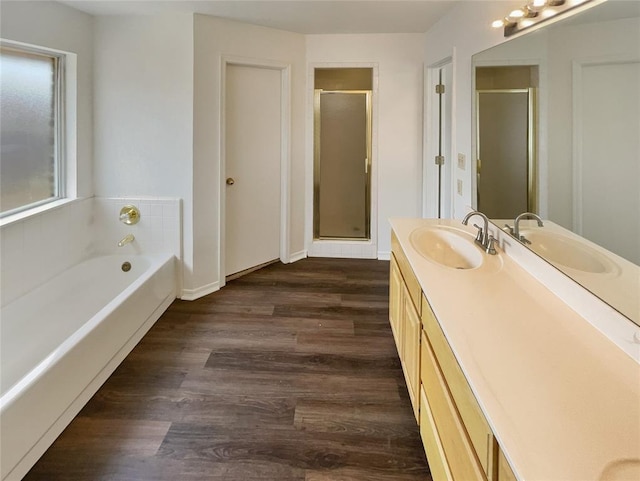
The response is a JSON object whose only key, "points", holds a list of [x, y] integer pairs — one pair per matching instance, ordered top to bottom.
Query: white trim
{"points": [[66, 131], [576, 134], [430, 139], [576, 139], [285, 155], [25, 214], [316, 248], [343, 249], [384, 255], [298, 256], [193, 294]]}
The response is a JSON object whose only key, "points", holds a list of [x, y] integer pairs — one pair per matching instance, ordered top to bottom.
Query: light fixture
{"points": [[534, 12], [516, 14]]}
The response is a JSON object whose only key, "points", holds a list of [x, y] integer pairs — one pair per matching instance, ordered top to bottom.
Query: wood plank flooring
{"points": [[289, 373]]}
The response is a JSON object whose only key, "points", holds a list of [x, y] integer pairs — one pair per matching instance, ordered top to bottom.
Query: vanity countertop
{"points": [[562, 399]]}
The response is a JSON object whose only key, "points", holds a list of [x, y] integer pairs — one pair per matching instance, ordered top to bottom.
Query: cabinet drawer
{"points": [[415, 292], [476, 425], [431, 442], [459, 453]]}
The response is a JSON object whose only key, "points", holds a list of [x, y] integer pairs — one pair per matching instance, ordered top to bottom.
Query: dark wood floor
{"points": [[288, 373]]}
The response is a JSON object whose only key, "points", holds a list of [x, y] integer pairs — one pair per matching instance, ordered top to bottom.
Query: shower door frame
{"points": [[317, 93], [532, 160]]}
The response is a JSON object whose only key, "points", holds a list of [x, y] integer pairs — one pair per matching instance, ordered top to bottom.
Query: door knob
{"points": [[230, 181]]}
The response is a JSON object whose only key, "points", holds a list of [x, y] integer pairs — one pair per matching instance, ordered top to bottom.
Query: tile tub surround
{"points": [[158, 231], [37, 248], [561, 398]]}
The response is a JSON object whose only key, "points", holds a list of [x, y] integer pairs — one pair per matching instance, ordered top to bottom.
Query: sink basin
{"points": [[448, 247], [567, 252], [623, 469]]}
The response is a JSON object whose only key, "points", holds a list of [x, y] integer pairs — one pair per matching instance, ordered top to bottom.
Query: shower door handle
{"points": [[366, 165]]}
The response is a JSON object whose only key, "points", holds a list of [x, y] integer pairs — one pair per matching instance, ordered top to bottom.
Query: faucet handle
{"points": [[508, 228], [480, 234], [524, 240], [491, 249]]}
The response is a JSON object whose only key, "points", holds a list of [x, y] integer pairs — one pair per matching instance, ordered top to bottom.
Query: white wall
{"points": [[464, 31], [215, 38], [144, 113], [397, 113]]}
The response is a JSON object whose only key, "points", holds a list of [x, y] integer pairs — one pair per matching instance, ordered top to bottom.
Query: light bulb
{"points": [[515, 15], [525, 22], [497, 23]]}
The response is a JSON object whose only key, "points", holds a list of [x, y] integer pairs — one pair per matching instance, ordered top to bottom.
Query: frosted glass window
{"points": [[29, 129]]}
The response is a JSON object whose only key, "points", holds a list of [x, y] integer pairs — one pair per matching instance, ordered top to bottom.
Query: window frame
{"points": [[61, 160]]}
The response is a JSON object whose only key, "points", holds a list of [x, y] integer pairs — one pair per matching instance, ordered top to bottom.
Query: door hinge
{"points": [[440, 88], [439, 159]]}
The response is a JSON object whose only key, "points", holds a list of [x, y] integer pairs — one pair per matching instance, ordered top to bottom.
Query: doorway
{"points": [[342, 154], [506, 161], [254, 166], [437, 191]]}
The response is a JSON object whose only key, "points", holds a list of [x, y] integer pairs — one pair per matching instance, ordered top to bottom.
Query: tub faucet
{"points": [[515, 231], [128, 239], [483, 239]]}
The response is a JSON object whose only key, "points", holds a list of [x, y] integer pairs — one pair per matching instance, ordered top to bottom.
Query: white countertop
{"points": [[561, 398]]}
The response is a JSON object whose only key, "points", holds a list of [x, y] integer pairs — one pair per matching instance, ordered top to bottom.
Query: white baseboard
{"points": [[343, 249], [384, 255], [297, 256], [193, 294]]}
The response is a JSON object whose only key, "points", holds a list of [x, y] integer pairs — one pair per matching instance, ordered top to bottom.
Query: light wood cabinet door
{"points": [[410, 280], [396, 301], [411, 352]]}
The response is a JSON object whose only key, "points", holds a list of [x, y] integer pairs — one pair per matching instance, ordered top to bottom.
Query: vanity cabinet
{"points": [[456, 436], [468, 442]]}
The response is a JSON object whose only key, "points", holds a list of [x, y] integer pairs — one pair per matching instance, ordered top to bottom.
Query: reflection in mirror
{"points": [[584, 157]]}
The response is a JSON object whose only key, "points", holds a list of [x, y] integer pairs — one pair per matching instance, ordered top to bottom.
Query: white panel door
{"points": [[610, 157], [252, 166]]}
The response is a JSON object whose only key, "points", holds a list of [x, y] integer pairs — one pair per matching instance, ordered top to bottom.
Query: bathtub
{"points": [[61, 341]]}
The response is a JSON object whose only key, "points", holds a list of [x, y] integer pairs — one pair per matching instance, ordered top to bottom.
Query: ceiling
{"points": [[302, 16]]}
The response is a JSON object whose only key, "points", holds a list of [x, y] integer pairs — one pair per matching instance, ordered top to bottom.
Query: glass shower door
{"points": [[342, 164]]}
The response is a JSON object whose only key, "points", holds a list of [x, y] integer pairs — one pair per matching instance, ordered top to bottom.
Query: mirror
{"points": [[587, 139]]}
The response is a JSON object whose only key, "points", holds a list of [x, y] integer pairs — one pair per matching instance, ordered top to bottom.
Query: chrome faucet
{"points": [[515, 230], [128, 239], [483, 239]]}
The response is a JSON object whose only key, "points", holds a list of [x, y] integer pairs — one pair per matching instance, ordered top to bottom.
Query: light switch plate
{"points": [[462, 161], [459, 187]]}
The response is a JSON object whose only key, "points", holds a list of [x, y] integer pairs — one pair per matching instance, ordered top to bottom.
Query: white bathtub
{"points": [[60, 342]]}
